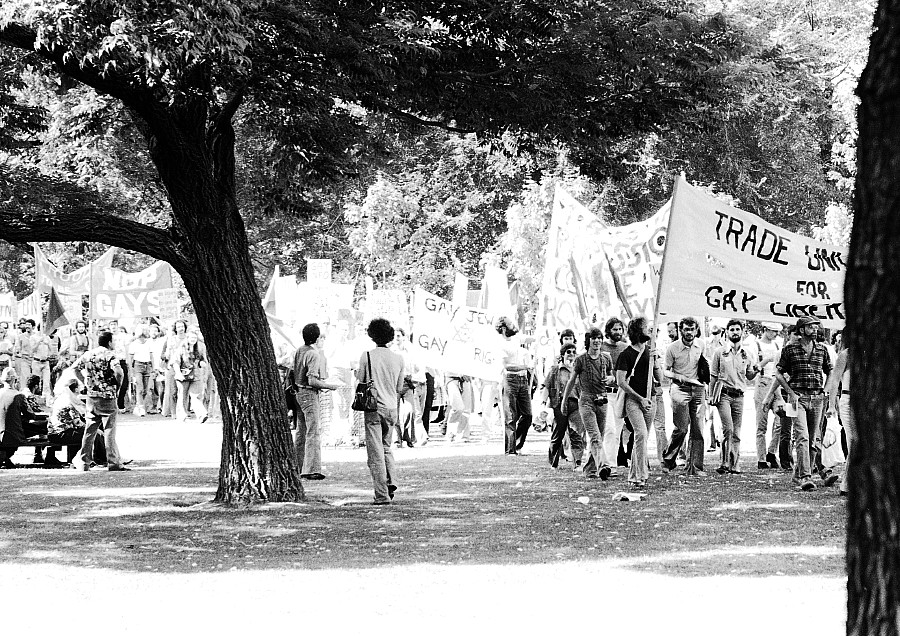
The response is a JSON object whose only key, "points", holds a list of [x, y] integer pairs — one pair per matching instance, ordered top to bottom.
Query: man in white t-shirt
{"points": [[157, 347], [140, 365], [515, 386]]}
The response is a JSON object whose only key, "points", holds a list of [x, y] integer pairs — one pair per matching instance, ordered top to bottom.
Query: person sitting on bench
{"points": [[15, 417], [66, 424]]}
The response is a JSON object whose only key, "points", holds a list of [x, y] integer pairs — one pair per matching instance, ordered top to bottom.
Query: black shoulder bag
{"points": [[364, 399]]}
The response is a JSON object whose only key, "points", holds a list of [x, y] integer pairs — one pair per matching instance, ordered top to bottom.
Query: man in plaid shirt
{"points": [[806, 363]]}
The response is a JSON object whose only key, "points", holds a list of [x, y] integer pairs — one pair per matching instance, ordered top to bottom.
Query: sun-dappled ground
{"points": [[474, 539]]}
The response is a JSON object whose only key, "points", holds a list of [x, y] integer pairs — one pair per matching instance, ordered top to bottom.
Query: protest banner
{"points": [[634, 255], [571, 258], [722, 261], [318, 270], [594, 271], [77, 283], [460, 288], [495, 292], [117, 294], [322, 302], [168, 304], [390, 304], [73, 305], [8, 307], [30, 307], [455, 338]]}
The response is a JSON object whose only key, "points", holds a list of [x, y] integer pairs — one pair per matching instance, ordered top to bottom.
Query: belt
{"points": [[39, 359], [523, 372], [727, 390], [809, 391], [843, 392]]}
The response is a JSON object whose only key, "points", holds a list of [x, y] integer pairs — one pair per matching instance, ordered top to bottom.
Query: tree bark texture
{"points": [[195, 160], [873, 335]]}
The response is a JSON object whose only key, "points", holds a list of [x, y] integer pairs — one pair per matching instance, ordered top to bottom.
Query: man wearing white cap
{"points": [[769, 353]]}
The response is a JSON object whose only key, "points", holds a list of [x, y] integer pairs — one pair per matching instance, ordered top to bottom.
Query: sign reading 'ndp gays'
{"points": [[722, 261], [119, 294]]}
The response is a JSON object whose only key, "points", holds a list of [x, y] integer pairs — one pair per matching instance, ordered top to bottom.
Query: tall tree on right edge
{"points": [[873, 335]]}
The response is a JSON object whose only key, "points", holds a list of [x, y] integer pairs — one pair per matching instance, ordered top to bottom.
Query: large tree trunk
{"points": [[196, 164], [873, 334], [258, 460]]}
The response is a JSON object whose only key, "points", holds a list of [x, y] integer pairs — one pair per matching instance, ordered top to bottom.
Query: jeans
{"points": [[23, 368], [42, 370], [143, 385], [123, 388], [192, 389], [517, 393], [429, 402], [687, 402], [460, 406], [168, 407], [101, 412], [731, 412], [593, 416], [409, 417], [641, 419], [762, 419], [571, 423], [659, 423], [379, 426], [807, 427], [850, 428], [613, 431], [307, 440]]}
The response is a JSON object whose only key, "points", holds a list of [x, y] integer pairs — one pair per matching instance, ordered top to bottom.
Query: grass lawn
{"points": [[475, 540]]}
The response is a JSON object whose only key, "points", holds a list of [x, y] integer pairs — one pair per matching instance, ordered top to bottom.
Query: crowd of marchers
{"points": [[615, 389], [65, 390], [601, 398]]}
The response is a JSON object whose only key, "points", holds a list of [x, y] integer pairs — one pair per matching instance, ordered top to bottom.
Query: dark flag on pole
{"points": [[56, 314]]}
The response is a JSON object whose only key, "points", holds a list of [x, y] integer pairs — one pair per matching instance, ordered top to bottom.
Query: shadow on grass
{"points": [[460, 510]]}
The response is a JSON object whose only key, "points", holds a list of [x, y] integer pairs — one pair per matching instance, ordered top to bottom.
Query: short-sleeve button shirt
{"points": [[683, 360], [98, 366]]}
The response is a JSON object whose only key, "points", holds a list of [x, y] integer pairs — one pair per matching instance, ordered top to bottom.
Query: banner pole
{"points": [[662, 270]]}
